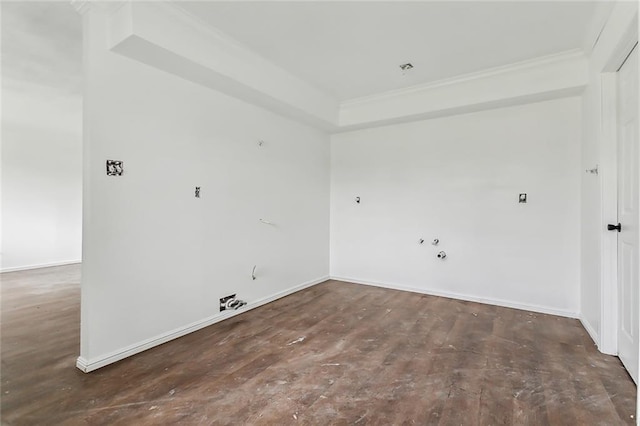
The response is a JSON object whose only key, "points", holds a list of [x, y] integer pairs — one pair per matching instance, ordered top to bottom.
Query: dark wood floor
{"points": [[333, 354]]}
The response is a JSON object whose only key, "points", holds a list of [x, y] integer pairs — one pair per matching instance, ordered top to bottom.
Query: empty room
{"points": [[320, 212]]}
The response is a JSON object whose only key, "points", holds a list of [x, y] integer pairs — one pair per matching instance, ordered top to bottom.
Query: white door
{"points": [[628, 214]]}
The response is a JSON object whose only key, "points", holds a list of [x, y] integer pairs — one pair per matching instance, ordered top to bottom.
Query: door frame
{"points": [[609, 187]]}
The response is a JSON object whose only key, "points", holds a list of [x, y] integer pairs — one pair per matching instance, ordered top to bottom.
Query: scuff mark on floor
{"points": [[298, 340]]}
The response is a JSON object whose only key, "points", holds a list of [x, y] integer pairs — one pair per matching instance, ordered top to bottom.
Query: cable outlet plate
{"points": [[224, 301]]}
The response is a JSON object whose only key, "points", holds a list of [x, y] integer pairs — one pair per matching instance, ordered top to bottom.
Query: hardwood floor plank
{"points": [[336, 353]]}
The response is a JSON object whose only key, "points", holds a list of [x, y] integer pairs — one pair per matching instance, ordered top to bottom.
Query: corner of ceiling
{"points": [[160, 35], [167, 37]]}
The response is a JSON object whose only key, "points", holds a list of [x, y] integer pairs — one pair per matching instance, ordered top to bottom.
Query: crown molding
{"points": [[80, 6], [84, 6], [599, 21], [201, 26], [165, 36], [223, 38], [464, 78], [544, 78], [467, 108]]}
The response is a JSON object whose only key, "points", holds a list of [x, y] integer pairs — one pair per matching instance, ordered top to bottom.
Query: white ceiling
{"points": [[353, 49]]}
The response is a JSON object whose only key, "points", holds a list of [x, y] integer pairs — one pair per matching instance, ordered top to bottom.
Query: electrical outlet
{"points": [[115, 168], [225, 301]]}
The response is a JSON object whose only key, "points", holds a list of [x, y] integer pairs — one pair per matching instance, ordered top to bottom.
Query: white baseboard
{"points": [[39, 266], [465, 297], [590, 330], [103, 360]]}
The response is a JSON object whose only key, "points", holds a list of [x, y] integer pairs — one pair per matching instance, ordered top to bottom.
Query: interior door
{"points": [[628, 214]]}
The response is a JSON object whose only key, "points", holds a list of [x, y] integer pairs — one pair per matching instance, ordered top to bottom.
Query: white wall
{"points": [[41, 136], [458, 179], [594, 213], [157, 259]]}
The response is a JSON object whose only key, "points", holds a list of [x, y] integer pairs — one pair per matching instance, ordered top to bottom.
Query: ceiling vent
{"points": [[406, 67]]}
